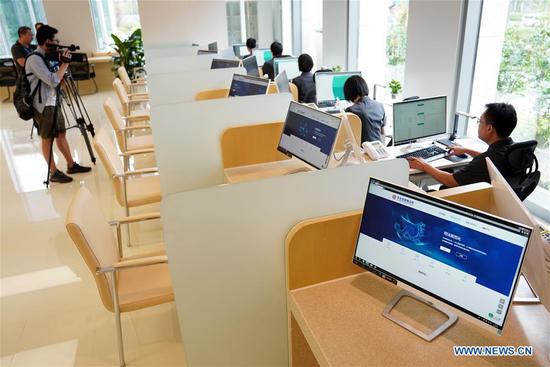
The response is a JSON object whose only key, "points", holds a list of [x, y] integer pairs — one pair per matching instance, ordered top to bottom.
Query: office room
{"points": [[274, 183]]}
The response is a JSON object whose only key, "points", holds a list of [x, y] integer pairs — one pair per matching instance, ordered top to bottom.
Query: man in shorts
{"points": [[51, 125]]}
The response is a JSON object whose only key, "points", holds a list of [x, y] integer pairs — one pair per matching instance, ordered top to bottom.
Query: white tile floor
{"points": [[51, 314]]}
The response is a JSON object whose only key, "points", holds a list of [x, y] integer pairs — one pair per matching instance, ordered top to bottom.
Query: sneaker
{"points": [[77, 168], [60, 177]]}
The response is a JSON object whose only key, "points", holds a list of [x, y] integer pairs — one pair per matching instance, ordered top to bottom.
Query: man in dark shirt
{"points": [[22, 47], [268, 67], [304, 82], [495, 126]]}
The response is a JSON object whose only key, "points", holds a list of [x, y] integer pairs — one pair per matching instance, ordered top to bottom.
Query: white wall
{"points": [[73, 19], [165, 21], [265, 23], [335, 29], [433, 36]]}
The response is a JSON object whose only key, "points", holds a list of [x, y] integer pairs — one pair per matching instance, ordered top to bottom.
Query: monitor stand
{"points": [[411, 147], [526, 300], [428, 337]]}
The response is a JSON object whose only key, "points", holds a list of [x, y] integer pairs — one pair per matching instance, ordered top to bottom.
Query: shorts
{"points": [[45, 122]]}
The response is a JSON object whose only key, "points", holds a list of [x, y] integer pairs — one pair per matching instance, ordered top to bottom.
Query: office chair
{"points": [[81, 69], [8, 75], [130, 85], [129, 101], [521, 176], [124, 283]]}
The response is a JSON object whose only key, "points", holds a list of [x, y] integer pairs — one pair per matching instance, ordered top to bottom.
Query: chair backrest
{"points": [[79, 66], [8, 73], [123, 75], [272, 88], [294, 91], [212, 94], [122, 95], [115, 118], [355, 123], [108, 154], [521, 175], [93, 238]]}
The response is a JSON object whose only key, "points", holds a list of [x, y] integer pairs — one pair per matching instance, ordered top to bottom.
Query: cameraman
{"points": [[45, 100]]}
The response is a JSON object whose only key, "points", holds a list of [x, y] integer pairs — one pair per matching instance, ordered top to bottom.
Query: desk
{"points": [[100, 59], [264, 170], [340, 323]]}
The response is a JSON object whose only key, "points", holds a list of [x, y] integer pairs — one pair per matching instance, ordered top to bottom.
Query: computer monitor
{"points": [[213, 46], [240, 50], [206, 52], [263, 55], [223, 64], [290, 64], [251, 65], [282, 82], [246, 85], [330, 86], [419, 118], [309, 135], [449, 254]]}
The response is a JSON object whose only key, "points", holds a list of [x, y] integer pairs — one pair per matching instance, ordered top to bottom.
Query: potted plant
{"points": [[129, 53], [336, 68], [395, 88]]}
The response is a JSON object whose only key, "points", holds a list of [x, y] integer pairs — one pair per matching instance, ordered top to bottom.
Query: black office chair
{"points": [[81, 69], [8, 75], [521, 176]]}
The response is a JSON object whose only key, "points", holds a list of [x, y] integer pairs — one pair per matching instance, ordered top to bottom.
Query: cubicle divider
{"points": [[170, 50], [173, 64], [183, 86], [187, 136], [228, 265]]}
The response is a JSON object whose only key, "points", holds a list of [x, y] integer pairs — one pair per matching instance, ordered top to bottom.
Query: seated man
{"points": [[250, 46], [268, 67], [495, 126]]}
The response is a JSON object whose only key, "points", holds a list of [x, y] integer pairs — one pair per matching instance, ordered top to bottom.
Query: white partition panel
{"points": [[170, 51], [174, 64], [183, 86], [187, 136], [227, 257]]}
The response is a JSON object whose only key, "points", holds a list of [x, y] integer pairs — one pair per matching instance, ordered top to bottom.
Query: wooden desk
{"points": [[100, 59], [340, 323]]}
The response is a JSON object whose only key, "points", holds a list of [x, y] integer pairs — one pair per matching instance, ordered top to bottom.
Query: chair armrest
{"points": [[139, 82], [138, 95], [132, 101], [136, 118], [134, 127], [130, 153], [137, 172], [135, 218], [134, 263]]}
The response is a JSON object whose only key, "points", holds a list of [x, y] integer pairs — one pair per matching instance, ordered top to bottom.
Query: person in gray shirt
{"points": [[305, 82], [371, 113], [51, 124]]}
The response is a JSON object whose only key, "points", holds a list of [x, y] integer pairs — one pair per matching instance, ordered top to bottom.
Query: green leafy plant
{"points": [[130, 53], [336, 68], [395, 86]]}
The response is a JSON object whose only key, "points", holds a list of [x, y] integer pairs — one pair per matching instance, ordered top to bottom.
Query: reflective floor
{"points": [[51, 313]]}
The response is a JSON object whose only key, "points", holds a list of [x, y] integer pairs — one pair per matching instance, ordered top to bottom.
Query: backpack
{"points": [[23, 97]]}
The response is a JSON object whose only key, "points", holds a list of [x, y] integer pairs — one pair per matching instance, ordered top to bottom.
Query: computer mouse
{"points": [[463, 155]]}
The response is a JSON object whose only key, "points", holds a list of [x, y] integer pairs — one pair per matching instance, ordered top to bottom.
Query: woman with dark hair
{"points": [[305, 82], [371, 113]]}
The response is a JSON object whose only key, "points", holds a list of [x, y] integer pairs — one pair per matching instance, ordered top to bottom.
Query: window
{"points": [[14, 14], [120, 17], [240, 28], [312, 31], [382, 40], [512, 66]]}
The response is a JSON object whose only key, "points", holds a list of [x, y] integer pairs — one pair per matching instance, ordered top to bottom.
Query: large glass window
{"points": [[14, 14], [119, 17], [242, 20], [382, 40], [513, 66]]}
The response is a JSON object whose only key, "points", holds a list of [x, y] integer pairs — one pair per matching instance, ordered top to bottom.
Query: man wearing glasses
{"points": [[50, 121], [494, 128]]}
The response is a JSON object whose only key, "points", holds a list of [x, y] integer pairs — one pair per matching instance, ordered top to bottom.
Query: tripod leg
{"points": [[84, 133], [47, 182]]}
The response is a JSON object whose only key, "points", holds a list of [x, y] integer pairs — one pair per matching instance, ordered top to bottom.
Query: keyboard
{"points": [[324, 104], [430, 153]]}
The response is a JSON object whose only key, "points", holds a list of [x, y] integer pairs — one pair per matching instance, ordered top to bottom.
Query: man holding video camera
{"points": [[48, 117]]}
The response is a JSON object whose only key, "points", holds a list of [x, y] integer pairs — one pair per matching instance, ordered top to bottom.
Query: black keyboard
{"points": [[322, 104], [430, 153]]}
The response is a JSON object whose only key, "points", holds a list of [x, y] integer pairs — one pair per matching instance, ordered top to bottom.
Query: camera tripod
{"points": [[69, 103]]}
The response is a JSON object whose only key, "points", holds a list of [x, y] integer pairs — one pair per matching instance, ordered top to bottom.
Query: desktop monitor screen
{"points": [[213, 46], [240, 50], [206, 52], [263, 55], [223, 64], [290, 64], [251, 66], [282, 82], [245, 85], [330, 86], [419, 118], [309, 134], [461, 257]]}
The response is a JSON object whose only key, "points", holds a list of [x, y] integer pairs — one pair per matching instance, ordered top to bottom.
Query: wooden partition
{"points": [[207, 94]]}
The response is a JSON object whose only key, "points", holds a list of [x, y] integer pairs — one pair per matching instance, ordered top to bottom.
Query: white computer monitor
{"points": [[213, 46], [240, 50], [262, 55], [223, 64], [290, 64], [251, 65], [282, 83], [246, 85], [329, 86], [419, 118], [309, 135], [447, 253]]}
